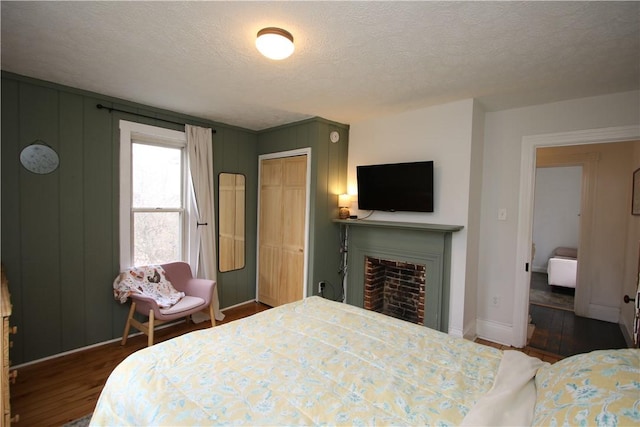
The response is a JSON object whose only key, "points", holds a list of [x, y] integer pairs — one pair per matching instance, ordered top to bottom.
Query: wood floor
{"points": [[560, 331], [533, 352], [60, 390]]}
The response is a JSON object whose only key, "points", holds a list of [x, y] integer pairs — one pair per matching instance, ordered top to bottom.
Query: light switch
{"points": [[502, 214]]}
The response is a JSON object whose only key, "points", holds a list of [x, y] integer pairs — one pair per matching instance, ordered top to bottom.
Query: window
{"points": [[157, 207], [155, 210]]}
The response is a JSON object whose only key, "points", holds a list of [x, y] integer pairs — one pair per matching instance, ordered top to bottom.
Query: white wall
{"points": [[504, 131], [443, 134], [556, 220], [473, 223]]}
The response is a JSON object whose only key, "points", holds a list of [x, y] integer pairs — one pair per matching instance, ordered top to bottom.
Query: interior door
{"points": [[281, 240]]}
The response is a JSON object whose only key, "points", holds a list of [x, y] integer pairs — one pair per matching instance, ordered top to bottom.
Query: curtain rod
{"points": [[110, 109]]}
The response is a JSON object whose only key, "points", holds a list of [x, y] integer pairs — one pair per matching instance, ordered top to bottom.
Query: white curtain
{"points": [[200, 148]]}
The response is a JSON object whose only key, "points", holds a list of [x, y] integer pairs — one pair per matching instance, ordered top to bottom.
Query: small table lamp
{"points": [[344, 200]]}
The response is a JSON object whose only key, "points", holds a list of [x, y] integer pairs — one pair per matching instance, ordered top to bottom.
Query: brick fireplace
{"points": [[414, 258], [395, 288]]}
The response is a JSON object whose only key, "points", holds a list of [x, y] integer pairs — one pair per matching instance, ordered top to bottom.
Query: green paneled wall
{"points": [[237, 153], [328, 179], [60, 231]]}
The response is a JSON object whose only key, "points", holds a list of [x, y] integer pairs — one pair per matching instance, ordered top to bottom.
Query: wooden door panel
{"points": [[295, 171], [271, 173], [294, 198], [295, 201], [271, 216], [282, 229], [291, 276], [269, 277]]}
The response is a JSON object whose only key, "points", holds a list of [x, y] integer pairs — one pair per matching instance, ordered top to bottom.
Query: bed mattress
{"points": [[310, 362], [318, 362]]}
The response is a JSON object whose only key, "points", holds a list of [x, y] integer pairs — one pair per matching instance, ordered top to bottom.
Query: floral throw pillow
{"points": [[599, 388]]}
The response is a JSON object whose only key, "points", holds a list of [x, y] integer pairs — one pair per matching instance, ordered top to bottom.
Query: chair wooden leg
{"points": [[212, 315], [127, 326], [150, 334]]}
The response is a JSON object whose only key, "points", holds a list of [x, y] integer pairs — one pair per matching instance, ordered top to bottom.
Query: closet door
{"points": [[282, 229]]}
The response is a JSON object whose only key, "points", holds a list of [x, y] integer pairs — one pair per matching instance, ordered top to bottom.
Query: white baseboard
{"points": [[538, 269], [239, 304], [603, 312], [470, 332], [497, 332], [75, 350]]}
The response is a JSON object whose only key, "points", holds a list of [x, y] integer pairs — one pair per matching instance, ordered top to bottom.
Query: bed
{"points": [[562, 268], [318, 362]]}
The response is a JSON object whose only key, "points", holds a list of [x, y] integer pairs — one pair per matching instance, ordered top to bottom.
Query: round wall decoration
{"points": [[334, 136], [40, 158]]}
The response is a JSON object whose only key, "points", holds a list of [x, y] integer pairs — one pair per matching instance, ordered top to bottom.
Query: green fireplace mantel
{"points": [[442, 228], [418, 243]]}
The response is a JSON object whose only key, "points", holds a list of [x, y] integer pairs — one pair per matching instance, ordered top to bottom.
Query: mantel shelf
{"points": [[441, 228]]}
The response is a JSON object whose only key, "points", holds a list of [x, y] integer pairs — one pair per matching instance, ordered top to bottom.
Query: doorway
{"points": [[525, 216], [283, 227], [556, 233]]}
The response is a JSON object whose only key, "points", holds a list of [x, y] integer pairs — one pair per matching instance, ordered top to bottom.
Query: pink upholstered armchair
{"points": [[198, 297]]}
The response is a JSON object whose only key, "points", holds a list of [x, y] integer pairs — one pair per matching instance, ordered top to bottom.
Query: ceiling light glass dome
{"points": [[275, 43]]}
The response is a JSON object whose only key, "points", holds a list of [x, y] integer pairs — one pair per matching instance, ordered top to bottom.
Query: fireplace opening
{"points": [[395, 288]]}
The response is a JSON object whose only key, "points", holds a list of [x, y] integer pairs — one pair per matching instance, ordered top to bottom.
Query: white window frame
{"points": [[153, 135]]}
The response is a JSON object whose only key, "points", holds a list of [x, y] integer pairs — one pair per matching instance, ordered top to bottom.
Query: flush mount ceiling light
{"points": [[275, 43]]}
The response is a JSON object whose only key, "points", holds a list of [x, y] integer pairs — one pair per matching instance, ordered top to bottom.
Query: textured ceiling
{"points": [[353, 60]]}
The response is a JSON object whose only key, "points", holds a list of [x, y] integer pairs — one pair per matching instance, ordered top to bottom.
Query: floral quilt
{"points": [[313, 362], [318, 362]]}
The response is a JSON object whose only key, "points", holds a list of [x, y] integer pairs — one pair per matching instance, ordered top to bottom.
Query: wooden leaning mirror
{"points": [[231, 190]]}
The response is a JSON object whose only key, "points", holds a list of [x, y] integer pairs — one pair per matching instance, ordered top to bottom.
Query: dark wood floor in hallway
{"points": [[559, 331], [562, 332]]}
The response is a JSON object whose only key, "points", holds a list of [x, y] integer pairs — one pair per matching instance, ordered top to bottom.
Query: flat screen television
{"points": [[396, 187]]}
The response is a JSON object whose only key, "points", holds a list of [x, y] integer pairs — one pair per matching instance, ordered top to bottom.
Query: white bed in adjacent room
{"points": [[562, 268]]}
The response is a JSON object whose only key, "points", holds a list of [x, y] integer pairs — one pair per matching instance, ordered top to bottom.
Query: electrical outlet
{"points": [[502, 214], [321, 285], [495, 301]]}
